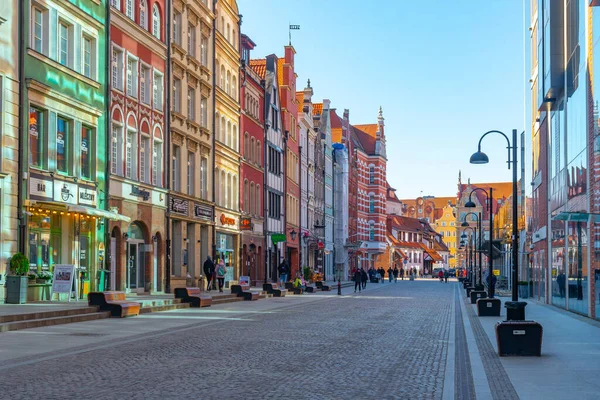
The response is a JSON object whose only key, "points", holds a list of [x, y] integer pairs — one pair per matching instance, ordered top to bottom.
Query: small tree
{"points": [[19, 265], [306, 271]]}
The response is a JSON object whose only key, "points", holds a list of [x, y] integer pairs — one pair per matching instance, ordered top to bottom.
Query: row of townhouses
{"points": [[140, 137]]}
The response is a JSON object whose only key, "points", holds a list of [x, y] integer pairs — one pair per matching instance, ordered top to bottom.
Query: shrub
{"points": [[19, 265]]}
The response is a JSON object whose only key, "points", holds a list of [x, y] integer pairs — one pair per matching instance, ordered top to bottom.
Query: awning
{"points": [[96, 212], [433, 254]]}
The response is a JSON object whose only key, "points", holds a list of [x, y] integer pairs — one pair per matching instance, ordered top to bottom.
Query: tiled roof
{"points": [[259, 66], [280, 71], [300, 100], [317, 108], [336, 121], [369, 129], [365, 141], [391, 195], [439, 202], [406, 223], [440, 246], [435, 256]]}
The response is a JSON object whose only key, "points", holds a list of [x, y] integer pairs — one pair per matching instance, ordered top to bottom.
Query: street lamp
{"points": [[481, 158], [471, 204], [465, 223], [293, 234], [470, 243]]}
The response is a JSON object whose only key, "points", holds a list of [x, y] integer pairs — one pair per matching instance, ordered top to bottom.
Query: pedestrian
{"points": [[209, 271], [221, 271], [283, 271], [402, 273], [381, 274], [390, 274], [396, 274], [446, 274], [441, 275], [357, 278], [364, 278], [560, 280], [492, 289]]}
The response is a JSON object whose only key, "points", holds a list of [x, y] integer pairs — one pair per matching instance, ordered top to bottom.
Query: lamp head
{"points": [[479, 158], [470, 204], [465, 223], [293, 234], [463, 236]]}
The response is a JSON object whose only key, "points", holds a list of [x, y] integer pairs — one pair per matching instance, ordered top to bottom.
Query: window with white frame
{"points": [[116, 3], [129, 9], [144, 14], [156, 22], [177, 28], [40, 29], [191, 40], [64, 44], [88, 47], [204, 50], [117, 69], [132, 76], [145, 84], [158, 91], [177, 95], [191, 102], [204, 112], [63, 145], [116, 149], [131, 154], [145, 159], [157, 164], [175, 168], [190, 173], [371, 174], [204, 178], [246, 194], [371, 203], [251, 204], [371, 231]]}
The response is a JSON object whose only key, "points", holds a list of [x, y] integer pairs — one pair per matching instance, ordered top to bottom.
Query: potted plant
{"points": [[31, 276], [43, 277], [16, 282], [523, 289]]}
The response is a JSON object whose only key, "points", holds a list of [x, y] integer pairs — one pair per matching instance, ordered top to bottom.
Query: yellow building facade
{"points": [[445, 225]]}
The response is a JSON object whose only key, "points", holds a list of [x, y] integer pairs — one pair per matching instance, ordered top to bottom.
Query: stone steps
{"points": [[164, 307], [47, 314], [66, 318]]}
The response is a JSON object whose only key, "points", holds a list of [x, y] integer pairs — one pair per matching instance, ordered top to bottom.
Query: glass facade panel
{"points": [[36, 137], [62, 145], [558, 264], [578, 267]]}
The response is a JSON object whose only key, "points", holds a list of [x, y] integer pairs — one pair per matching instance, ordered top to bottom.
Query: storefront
{"points": [[190, 239], [227, 243], [253, 245]]}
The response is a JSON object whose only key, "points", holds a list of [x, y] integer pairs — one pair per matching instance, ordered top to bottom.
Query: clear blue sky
{"points": [[444, 72]]}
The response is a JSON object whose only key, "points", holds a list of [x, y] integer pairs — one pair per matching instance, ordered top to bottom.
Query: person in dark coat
{"points": [[209, 271], [283, 272], [390, 272], [396, 272], [402, 273], [382, 274], [363, 277], [357, 278]]}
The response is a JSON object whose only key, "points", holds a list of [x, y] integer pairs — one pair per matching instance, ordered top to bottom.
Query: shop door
{"points": [[135, 265]]}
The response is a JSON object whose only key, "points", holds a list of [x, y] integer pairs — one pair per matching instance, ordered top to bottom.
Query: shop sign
{"points": [[40, 188], [65, 192], [139, 192], [87, 196], [179, 206], [203, 212], [225, 220], [245, 224]]}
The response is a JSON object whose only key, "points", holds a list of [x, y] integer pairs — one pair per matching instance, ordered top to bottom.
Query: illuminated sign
{"points": [[40, 189], [65, 192], [87, 196], [179, 206], [202, 211], [225, 220], [245, 224]]}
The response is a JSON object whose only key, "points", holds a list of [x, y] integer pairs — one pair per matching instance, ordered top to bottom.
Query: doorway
{"points": [[135, 265]]}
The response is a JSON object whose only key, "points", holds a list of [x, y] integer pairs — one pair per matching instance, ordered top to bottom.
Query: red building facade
{"points": [[252, 102], [136, 151]]}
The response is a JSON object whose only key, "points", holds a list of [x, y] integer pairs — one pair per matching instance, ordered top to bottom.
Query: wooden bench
{"points": [[290, 286], [322, 286], [274, 289], [310, 289], [245, 292], [193, 296], [115, 302]]}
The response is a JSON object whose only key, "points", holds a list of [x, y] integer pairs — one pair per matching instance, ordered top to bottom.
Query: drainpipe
{"points": [[214, 101], [108, 124], [22, 134], [168, 150], [265, 189], [300, 210]]}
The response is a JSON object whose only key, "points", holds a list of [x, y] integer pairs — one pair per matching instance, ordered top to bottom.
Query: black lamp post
{"points": [[481, 158], [471, 204], [465, 223], [471, 245]]}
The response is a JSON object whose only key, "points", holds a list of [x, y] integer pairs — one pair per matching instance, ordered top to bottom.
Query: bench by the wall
{"points": [[193, 296], [115, 302]]}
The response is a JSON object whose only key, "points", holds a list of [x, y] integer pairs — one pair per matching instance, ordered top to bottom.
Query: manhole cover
{"points": [[86, 334]]}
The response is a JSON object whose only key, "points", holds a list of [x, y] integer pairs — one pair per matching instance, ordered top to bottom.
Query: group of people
{"points": [[210, 271]]}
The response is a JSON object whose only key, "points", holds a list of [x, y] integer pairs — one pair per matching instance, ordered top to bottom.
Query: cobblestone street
{"points": [[387, 342]]}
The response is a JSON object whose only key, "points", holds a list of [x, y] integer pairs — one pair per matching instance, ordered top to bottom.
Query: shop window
{"points": [[37, 138], [63, 140], [85, 156]]}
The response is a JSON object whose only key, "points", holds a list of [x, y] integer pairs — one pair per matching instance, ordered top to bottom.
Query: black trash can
{"points": [[515, 310]]}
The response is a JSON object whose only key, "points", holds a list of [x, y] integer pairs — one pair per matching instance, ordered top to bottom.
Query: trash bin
{"points": [[515, 310]]}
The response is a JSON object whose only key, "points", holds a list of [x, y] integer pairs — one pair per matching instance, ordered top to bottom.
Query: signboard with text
{"points": [[62, 281]]}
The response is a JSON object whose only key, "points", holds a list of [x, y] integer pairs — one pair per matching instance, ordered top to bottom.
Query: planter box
{"points": [[16, 289], [469, 289], [523, 291], [476, 295], [488, 307], [515, 310], [519, 338]]}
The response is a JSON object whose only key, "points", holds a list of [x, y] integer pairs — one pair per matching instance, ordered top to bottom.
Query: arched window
{"points": [[144, 14], [155, 22], [223, 25], [228, 33], [233, 39], [222, 77], [227, 83], [234, 87], [217, 124], [223, 127], [236, 138], [227, 140], [246, 146], [258, 153], [251, 154], [217, 177], [223, 190], [229, 193], [246, 197], [235, 199], [257, 201], [252, 203], [371, 203], [372, 231]]}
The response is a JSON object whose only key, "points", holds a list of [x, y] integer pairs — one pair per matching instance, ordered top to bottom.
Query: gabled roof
{"points": [[259, 66], [280, 71], [300, 100], [317, 108], [336, 126], [369, 129], [365, 142], [501, 190], [391, 194], [405, 223], [440, 246], [435, 256]]}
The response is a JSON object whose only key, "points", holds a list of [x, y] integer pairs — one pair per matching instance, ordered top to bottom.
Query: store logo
{"points": [[139, 192], [65, 193], [87, 196], [227, 220]]}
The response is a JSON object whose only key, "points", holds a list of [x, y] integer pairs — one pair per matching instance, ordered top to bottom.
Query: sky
{"points": [[444, 72]]}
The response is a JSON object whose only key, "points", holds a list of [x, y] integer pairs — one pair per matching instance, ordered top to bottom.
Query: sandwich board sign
{"points": [[62, 281]]}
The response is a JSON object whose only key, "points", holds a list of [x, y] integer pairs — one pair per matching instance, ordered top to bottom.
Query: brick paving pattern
{"points": [[386, 343], [500, 384]]}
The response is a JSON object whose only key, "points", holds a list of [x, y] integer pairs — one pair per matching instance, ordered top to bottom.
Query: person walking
{"points": [[209, 271], [221, 271], [283, 271], [390, 272], [402, 273], [381, 274], [395, 274], [446, 274], [441, 275], [357, 278], [363, 278]]}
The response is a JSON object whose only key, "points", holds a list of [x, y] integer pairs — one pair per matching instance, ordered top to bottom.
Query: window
{"points": [[116, 3], [129, 9], [144, 14], [155, 22], [177, 28], [38, 30], [192, 39], [63, 44], [88, 49], [204, 50], [117, 69], [132, 77], [222, 78], [227, 83], [145, 84], [234, 87], [158, 91], [176, 95], [191, 103], [204, 112], [37, 138], [62, 145], [246, 145], [131, 154], [251, 154], [258, 154], [85, 157], [116, 157], [145, 159], [274, 161], [157, 164], [175, 168], [190, 173], [371, 174], [203, 178], [246, 189], [257, 202], [371, 203], [274, 206], [372, 231]]}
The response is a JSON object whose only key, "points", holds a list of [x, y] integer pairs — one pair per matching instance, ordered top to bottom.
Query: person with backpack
{"points": [[209, 271], [221, 271], [283, 271]]}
